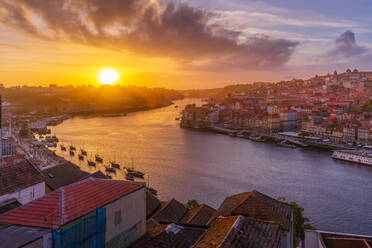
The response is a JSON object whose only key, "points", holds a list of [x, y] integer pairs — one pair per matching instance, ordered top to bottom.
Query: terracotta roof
{"points": [[10, 160], [62, 175], [18, 176], [68, 203], [152, 204], [258, 206], [170, 211], [199, 215], [153, 228], [240, 231], [173, 236]]}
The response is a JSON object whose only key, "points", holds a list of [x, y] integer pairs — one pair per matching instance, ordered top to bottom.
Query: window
{"points": [[117, 217]]}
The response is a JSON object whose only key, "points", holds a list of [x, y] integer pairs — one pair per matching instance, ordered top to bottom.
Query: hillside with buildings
{"points": [[333, 107]]}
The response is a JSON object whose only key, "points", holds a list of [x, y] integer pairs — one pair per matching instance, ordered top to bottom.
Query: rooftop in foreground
{"points": [[68, 203]]}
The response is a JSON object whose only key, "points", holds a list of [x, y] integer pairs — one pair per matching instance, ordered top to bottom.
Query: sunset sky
{"points": [[181, 44]]}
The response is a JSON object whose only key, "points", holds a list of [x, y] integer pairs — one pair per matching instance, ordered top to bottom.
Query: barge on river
{"points": [[359, 157]]}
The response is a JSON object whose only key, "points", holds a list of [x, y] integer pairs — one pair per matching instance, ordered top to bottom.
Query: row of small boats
{"points": [[130, 173]]}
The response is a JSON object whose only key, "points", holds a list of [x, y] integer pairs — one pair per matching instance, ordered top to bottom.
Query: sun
{"points": [[108, 76]]}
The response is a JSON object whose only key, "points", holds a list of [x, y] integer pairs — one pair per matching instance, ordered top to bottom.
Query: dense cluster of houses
{"points": [[335, 107]]}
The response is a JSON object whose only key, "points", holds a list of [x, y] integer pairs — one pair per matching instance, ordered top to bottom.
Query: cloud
{"points": [[148, 27], [346, 47]]}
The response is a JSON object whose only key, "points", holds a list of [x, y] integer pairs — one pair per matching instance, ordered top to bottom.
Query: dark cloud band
{"points": [[150, 27]]}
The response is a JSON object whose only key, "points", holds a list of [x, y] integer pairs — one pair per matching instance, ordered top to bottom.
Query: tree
{"points": [[191, 204], [300, 222]]}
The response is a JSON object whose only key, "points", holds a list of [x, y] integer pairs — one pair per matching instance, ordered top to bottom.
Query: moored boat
{"points": [[63, 148], [72, 148], [83, 152], [72, 153], [354, 156], [81, 157], [99, 159], [91, 163], [115, 165], [110, 169], [136, 174], [129, 177]]}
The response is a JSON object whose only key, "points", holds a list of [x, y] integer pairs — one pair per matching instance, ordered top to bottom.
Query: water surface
{"points": [[186, 164]]}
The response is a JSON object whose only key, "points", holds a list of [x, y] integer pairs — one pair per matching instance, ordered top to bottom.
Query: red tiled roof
{"points": [[10, 160], [18, 176], [68, 203], [256, 205], [170, 211], [199, 215], [240, 231]]}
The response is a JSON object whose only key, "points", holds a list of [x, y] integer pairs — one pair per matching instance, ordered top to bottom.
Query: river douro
{"points": [[186, 164]]}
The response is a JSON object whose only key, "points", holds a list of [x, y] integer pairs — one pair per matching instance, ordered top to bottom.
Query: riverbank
{"points": [[284, 139]]}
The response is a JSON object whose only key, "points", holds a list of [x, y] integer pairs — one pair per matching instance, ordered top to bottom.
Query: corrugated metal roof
{"points": [[68, 203]]}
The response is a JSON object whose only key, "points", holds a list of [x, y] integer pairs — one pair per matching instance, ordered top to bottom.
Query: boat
{"points": [[177, 119], [256, 138], [287, 145], [63, 148], [72, 148], [83, 152], [72, 153], [354, 156], [81, 157], [99, 159], [91, 163], [115, 165], [110, 169], [136, 174], [109, 176], [129, 177]]}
